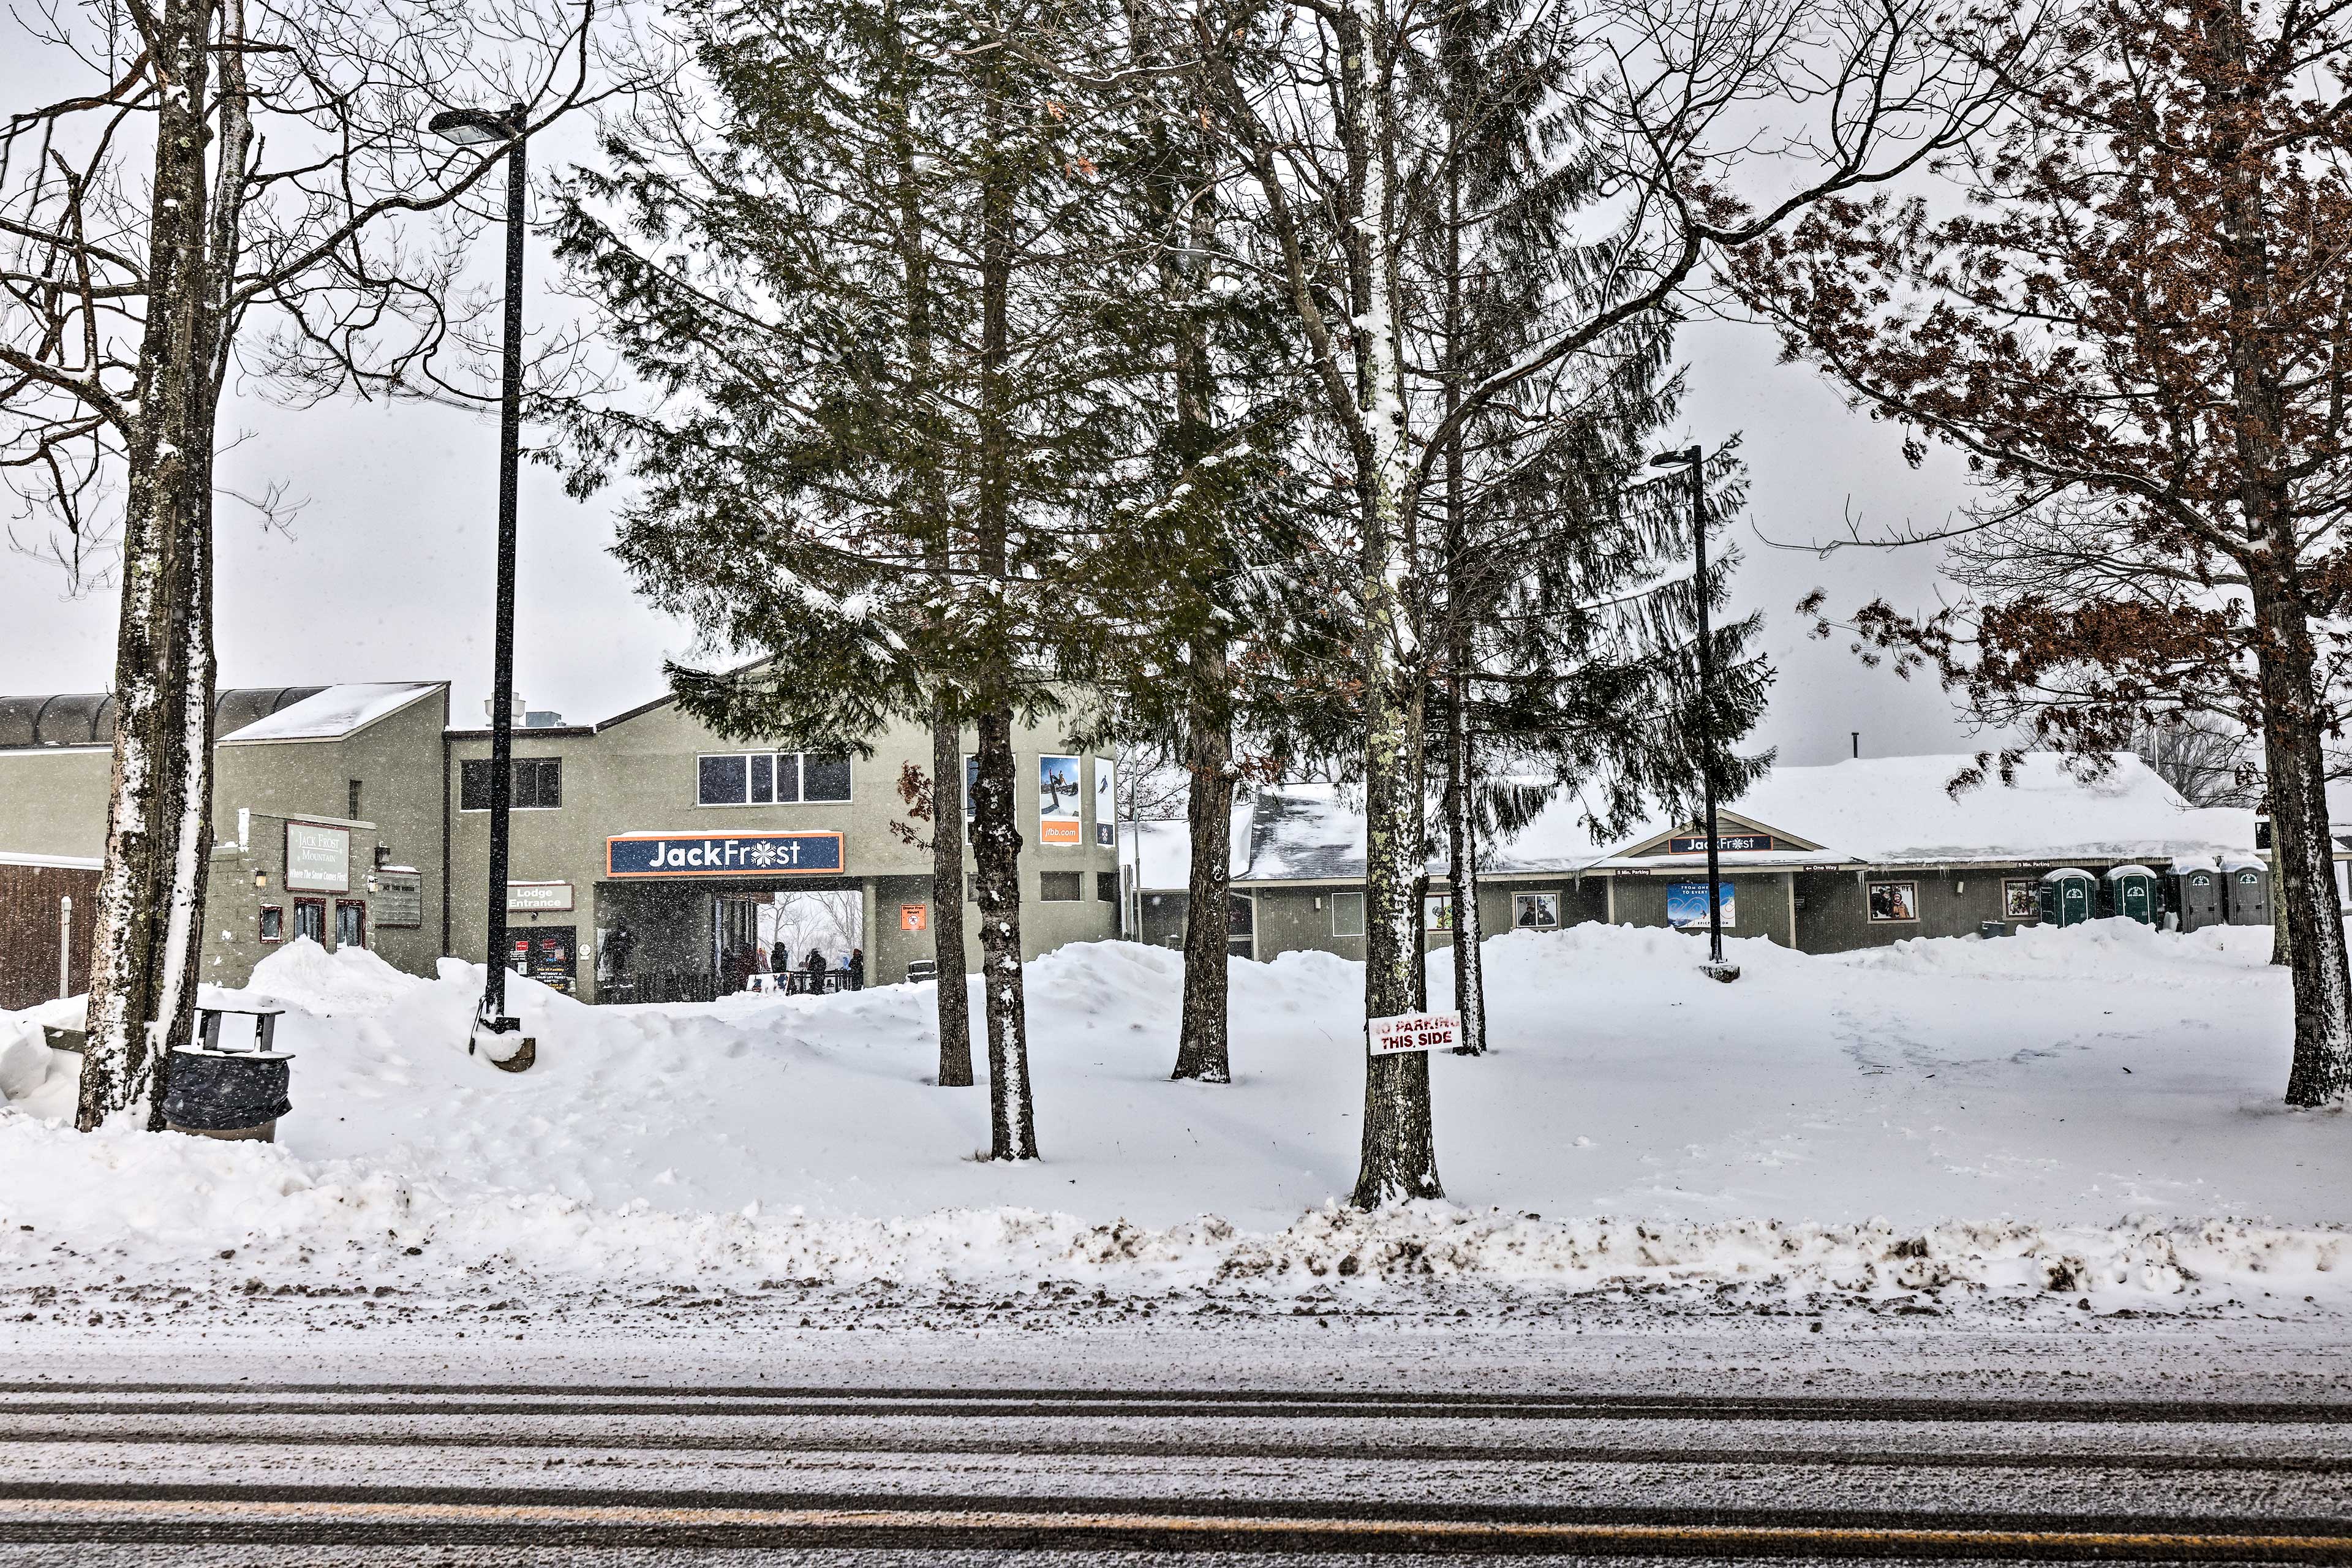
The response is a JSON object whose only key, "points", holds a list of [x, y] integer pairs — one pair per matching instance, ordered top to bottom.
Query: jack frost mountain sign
{"points": [[722, 854], [317, 858], [1412, 1032]]}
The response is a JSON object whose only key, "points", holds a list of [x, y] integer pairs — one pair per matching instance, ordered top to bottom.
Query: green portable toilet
{"points": [[2246, 890], [2131, 893], [2197, 894], [2066, 897]]}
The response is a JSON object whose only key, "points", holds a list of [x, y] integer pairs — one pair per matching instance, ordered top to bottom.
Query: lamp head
{"points": [[474, 127], [1688, 458]]}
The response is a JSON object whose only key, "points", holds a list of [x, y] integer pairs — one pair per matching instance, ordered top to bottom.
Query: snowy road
{"points": [[187, 1471]]}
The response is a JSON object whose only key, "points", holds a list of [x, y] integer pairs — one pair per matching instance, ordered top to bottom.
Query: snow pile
{"points": [[2092, 1110]]}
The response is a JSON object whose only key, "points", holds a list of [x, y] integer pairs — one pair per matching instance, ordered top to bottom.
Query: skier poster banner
{"points": [[1058, 801], [1106, 802], [1686, 905], [1412, 1032]]}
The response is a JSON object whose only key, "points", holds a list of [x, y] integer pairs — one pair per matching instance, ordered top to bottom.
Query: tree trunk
{"points": [[996, 858], [2302, 864], [1462, 867], [151, 893], [947, 899], [1200, 1038], [1399, 1155]]}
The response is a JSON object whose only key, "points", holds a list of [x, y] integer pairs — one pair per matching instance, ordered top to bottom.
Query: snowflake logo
{"points": [[763, 855]]}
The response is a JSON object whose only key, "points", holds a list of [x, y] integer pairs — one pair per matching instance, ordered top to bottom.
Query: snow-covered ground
{"points": [[2088, 1114]]}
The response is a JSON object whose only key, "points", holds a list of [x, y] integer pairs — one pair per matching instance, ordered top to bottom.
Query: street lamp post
{"points": [[485, 128], [1693, 458]]}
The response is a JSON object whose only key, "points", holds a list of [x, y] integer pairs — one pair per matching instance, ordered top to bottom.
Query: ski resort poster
{"points": [[1058, 801], [1106, 801], [1686, 905]]}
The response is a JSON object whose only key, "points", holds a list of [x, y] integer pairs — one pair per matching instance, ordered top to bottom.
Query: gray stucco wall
{"points": [[53, 802], [1760, 901], [1834, 907]]}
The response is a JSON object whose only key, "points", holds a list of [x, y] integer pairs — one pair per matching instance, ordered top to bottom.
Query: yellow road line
{"points": [[621, 1515]]}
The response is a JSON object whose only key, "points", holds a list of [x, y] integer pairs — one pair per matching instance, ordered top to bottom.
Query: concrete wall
{"points": [[639, 775], [53, 799], [1294, 920]]}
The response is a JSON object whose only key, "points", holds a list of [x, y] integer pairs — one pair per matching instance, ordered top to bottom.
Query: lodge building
{"points": [[643, 847], [1824, 859]]}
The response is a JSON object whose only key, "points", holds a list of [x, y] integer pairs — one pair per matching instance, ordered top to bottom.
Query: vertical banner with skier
{"points": [[1106, 802], [1058, 806]]}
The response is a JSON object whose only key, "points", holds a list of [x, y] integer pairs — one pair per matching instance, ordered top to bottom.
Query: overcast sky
{"points": [[385, 573]]}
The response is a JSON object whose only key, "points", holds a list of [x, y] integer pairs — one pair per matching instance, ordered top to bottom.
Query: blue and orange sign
{"points": [[722, 854]]}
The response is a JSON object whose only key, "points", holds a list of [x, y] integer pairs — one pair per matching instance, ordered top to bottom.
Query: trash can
{"points": [[2246, 891], [2129, 892], [2196, 894], [2066, 896], [1988, 930], [228, 1094]]}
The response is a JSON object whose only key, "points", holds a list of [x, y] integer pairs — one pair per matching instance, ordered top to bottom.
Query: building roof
{"points": [[239, 713], [331, 713], [1886, 811]]}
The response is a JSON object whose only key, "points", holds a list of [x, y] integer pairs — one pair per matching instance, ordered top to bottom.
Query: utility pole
{"points": [[479, 127], [1693, 458]]}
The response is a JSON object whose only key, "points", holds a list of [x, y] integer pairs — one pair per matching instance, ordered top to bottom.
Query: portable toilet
{"points": [[2130, 892], [2196, 896], [2246, 896], [2066, 897]]}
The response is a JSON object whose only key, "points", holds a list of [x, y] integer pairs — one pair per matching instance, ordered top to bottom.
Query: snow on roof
{"points": [[334, 713], [1886, 810], [1876, 811], [1162, 851], [53, 862]]}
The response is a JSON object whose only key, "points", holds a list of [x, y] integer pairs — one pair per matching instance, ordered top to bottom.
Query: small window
{"points": [[824, 778], [763, 780], [723, 781], [538, 783], [353, 810], [1107, 886], [1061, 887], [1894, 901], [2020, 902], [1437, 912], [1535, 912], [1347, 914], [310, 919], [273, 922]]}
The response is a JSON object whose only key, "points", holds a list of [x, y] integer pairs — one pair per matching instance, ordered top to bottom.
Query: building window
{"points": [[771, 778], [536, 783], [353, 810], [1107, 886], [1061, 887], [2021, 900], [1894, 901], [1437, 911], [1535, 912], [1347, 914], [310, 919], [273, 922], [351, 924]]}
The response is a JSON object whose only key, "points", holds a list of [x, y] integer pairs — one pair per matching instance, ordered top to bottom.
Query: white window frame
{"points": [[1521, 899], [1347, 900], [1875, 918]]}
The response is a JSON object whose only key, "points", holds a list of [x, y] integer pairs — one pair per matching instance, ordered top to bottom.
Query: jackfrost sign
{"points": [[720, 854], [1414, 1032]]}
